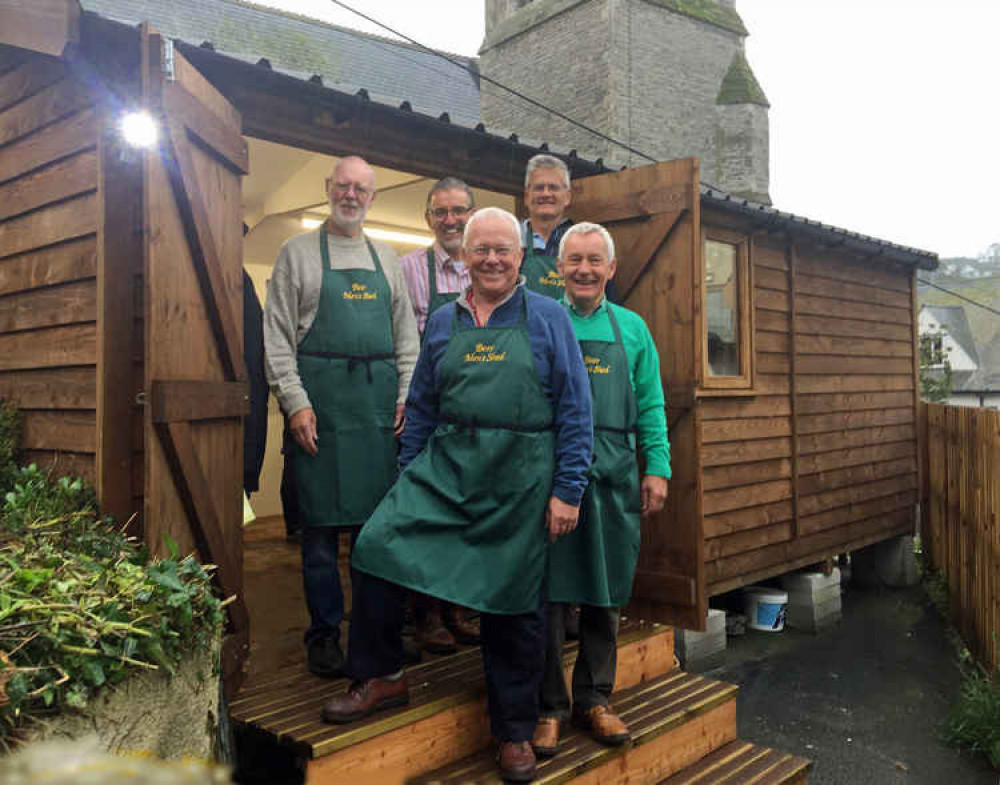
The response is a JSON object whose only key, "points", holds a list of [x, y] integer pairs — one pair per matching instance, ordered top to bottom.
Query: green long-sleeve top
{"points": [[644, 373]]}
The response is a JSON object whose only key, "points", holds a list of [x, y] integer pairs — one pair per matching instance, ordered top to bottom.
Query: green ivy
{"points": [[81, 605]]}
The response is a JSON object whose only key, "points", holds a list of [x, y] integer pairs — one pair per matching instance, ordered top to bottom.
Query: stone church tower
{"points": [[669, 78]]}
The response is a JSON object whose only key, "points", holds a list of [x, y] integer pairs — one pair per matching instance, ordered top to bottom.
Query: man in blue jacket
{"points": [[495, 454]]}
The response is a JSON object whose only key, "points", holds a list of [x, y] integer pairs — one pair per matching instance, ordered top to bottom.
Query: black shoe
{"points": [[411, 650], [324, 657]]}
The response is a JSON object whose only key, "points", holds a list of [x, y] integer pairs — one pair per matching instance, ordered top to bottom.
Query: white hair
{"points": [[543, 161], [492, 212], [588, 228]]}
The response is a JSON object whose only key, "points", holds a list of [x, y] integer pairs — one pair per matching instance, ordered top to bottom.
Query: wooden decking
{"points": [[287, 707], [684, 726]]}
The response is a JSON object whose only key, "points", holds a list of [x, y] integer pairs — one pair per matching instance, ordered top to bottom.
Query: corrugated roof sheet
{"points": [[346, 59], [770, 217]]}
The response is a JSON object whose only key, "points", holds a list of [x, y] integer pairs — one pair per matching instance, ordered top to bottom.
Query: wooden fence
{"points": [[961, 518]]}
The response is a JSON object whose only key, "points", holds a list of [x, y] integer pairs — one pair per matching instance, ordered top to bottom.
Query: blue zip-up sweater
{"points": [[560, 369]]}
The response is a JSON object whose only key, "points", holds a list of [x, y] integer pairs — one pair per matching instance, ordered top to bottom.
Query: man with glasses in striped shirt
{"points": [[434, 277]]}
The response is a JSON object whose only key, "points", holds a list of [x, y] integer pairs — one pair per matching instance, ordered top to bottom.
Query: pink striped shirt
{"points": [[452, 276]]}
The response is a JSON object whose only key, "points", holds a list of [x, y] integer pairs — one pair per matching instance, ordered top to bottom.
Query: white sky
{"points": [[885, 114]]}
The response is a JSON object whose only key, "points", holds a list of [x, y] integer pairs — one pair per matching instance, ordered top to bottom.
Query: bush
{"points": [[10, 438], [81, 604], [974, 720]]}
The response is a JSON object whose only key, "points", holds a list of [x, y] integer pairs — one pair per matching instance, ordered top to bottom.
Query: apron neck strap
{"points": [[529, 240], [324, 250], [374, 255], [432, 287], [614, 323], [627, 376]]}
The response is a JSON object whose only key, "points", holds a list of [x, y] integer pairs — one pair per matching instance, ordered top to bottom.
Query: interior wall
{"points": [[286, 184]]}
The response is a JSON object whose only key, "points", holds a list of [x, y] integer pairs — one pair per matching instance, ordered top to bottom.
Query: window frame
{"points": [[745, 381]]}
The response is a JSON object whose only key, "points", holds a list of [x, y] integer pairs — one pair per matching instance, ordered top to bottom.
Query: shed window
{"points": [[726, 346]]}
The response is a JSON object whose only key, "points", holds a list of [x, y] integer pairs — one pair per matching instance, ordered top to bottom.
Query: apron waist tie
{"points": [[353, 360], [474, 425]]}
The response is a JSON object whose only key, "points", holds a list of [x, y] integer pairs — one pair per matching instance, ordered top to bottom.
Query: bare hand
{"points": [[400, 420], [302, 424], [653, 491], [560, 518]]}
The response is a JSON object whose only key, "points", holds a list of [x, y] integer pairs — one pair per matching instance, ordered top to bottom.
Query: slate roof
{"points": [[348, 60], [952, 318]]}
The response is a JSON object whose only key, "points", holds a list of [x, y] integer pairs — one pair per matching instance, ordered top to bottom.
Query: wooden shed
{"points": [[787, 347]]}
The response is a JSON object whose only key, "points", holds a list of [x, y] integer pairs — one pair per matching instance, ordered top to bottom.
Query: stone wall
{"points": [[564, 61], [646, 72], [149, 714]]}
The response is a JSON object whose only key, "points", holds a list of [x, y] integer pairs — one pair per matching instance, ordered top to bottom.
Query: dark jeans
{"points": [[321, 579], [512, 646], [596, 660]]}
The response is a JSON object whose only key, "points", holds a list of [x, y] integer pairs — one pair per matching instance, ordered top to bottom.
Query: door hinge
{"points": [[168, 59]]}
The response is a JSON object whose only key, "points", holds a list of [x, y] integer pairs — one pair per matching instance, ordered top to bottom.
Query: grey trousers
{"points": [[596, 661]]}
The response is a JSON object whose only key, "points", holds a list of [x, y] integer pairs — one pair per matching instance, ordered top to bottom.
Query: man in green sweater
{"points": [[595, 564]]}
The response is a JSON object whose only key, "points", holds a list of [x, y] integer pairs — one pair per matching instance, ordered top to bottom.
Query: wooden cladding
{"points": [[48, 261], [822, 458]]}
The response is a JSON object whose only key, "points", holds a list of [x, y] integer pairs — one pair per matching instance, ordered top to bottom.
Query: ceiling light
{"points": [[139, 129], [312, 222], [407, 238]]}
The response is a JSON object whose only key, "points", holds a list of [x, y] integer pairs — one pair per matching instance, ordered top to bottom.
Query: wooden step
{"points": [[675, 720], [444, 721], [743, 763]]}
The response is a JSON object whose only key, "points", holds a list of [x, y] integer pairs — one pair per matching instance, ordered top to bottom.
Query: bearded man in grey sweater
{"points": [[341, 342]]}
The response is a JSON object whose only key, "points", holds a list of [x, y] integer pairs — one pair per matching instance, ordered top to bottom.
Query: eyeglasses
{"points": [[537, 188], [360, 191], [440, 213], [503, 252]]}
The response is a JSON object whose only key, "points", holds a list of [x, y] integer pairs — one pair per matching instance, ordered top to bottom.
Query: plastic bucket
{"points": [[765, 608]]}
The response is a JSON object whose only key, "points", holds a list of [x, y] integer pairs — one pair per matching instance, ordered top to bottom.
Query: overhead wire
{"points": [[479, 75], [978, 304]]}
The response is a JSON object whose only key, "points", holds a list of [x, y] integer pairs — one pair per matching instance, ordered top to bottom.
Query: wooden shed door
{"points": [[652, 213], [193, 318]]}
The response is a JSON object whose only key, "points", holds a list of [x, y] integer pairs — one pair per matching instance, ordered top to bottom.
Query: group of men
{"points": [[474, 413]]}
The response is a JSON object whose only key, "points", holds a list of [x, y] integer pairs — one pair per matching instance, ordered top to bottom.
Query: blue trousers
{"points": [[321, 580], [513, 650]]}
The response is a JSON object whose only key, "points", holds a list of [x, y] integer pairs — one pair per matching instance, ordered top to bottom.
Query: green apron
{"points": [[541, 272], [435, 299], [348, 368], [465, 521], [595, 563]]}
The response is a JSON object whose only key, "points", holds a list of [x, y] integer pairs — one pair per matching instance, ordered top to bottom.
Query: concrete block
{"points": [[888, 563], [810, 582], [819, 595], [813, 617], [697, 649]]}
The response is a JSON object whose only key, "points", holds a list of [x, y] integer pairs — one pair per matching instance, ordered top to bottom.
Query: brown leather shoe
{"points": [[456, 619], [432, 635], [366, 697], [604, 725], [546, 740], [517, 761]]}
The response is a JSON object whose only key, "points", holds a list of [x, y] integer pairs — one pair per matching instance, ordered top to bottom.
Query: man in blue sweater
{"points": [[495, 453]]}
